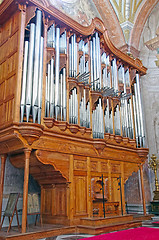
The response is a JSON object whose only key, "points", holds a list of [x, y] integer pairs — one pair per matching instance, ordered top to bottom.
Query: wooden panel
{"points": [[8, 65], [9, 110], [80, 165], [115, 190], [80, 195], [48, 201], [54, 201], [60, 201]]}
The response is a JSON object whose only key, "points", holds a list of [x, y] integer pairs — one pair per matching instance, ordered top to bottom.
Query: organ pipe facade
{"points": [[90, 68]]}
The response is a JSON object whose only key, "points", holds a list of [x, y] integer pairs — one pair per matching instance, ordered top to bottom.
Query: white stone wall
{"points": [[150, 87]]}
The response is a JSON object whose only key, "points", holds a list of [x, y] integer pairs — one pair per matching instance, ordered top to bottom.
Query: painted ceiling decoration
{"points": [[83, 11], [126, 11]]}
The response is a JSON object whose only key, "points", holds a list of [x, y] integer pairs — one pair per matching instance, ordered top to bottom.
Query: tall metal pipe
{"points": [[72, 57], [91, 59], [70, 60], [94, 62], [36, 65], [57, 65], [30, 70], [24, 79], [40, 80], [48, 90], [52, 93], [64, 94], [46, 97], [61, 102], [140, 109], [131, 114], [138, 114], [135, 120]]}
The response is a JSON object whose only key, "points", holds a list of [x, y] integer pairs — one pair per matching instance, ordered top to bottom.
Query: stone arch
{"points": [[140, 21], [111, 22]]}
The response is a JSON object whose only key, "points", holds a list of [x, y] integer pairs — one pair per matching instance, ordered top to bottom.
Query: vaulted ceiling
{"points": [[125, 20]]}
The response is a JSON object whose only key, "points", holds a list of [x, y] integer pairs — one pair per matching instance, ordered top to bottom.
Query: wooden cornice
{"points": [[61, 18], [24, 135]]}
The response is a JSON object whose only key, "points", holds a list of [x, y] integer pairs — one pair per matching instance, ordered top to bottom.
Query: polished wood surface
{"points": [[25, 189], [142, 189], [111, 208]]}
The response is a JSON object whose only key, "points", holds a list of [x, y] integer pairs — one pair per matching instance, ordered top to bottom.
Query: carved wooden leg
{"points": [[25, 189], [17, 219], [2, 222]]}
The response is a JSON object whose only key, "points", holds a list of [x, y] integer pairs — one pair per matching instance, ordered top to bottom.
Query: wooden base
{"points": [[143, 217], [106, 221], [88, 225], [36, 232]]}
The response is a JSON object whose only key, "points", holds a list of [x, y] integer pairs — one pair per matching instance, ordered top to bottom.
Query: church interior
{"points": [[79, 125]]}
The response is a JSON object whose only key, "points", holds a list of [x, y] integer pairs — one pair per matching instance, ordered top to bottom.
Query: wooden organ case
{"points": [[70, 109]]}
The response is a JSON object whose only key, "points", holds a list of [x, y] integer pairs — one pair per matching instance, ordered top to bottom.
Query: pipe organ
{"points": [[89, 66], [71, 108]]}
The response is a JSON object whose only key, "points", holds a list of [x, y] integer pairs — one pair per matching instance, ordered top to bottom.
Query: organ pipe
{"points": [[36, 64], [30, 70], [57, 73], [24, 79], [40, 80], [52, 90]]}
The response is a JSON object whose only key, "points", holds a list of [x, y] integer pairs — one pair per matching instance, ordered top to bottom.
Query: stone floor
{"points": [[147, 223], [68, 237]]}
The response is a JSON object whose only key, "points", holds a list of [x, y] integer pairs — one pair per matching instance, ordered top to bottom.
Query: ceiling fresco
{"points": [[83, 11], [126, 11]]}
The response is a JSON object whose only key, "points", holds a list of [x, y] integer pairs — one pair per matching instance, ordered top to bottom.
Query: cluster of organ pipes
{"points": [[88, 65], [31, 96], [73, 107], [84, 111], [97, 120]]}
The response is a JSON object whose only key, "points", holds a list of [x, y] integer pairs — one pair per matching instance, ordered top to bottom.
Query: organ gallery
{"points": [[71, 112]]}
